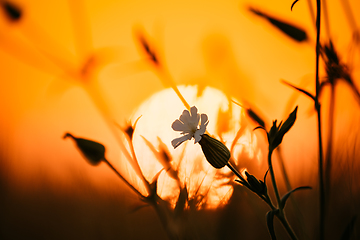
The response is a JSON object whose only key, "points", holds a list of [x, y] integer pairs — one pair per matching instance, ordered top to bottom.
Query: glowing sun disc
{"points": [[206, 186]]}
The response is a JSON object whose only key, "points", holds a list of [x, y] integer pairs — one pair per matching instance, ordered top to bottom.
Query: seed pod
{"points": [[94, 152], [216, 153]]}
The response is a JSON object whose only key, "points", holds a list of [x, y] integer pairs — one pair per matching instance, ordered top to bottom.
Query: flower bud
{"points": [[276, 133], [94, 152], [216, 153], [257, 186]]}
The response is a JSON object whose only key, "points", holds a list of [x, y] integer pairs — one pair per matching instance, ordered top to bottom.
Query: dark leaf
{"points": [[292, 5], [290, 30], [300, 90], [255, 117], [289, 122], [260, 127], [277, 133], [94, 152], [242, 182], [153, 184], [287, 195], [181, 202], [270, 223]]}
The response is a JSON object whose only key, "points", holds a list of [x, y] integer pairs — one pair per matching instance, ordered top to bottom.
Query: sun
{"points": [[186, 166]]}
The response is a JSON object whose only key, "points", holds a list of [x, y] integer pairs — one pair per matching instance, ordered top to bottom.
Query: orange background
{"points": [[46, 87]]}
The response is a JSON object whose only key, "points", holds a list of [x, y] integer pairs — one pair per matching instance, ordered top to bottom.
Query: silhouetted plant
{"points": [[217, 154]]}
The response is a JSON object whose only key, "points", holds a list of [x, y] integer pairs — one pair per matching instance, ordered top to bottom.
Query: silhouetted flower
{"points": [[188, 124], [277, 132], [216, 153], [256, 185]]}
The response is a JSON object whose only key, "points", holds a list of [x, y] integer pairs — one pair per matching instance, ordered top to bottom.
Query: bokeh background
{"points": [[78, 67]]}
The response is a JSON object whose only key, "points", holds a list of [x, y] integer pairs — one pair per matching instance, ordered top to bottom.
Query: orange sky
{"points": [[216, 43], [77, 66]]}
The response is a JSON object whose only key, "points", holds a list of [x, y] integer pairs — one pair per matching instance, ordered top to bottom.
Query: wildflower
{"points": [[188, 125], [216, 153]]}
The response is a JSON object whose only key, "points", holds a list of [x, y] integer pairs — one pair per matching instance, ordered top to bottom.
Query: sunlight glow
{"points": [[205, 186]]}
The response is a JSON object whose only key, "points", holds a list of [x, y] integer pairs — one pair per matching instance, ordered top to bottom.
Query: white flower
{"points": [[188, 124]]}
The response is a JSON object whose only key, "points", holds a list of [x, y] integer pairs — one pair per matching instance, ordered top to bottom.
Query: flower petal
{"points": [[185, 116], [195, 117], [204, 120], [177, 125], [202, 130], [197, 136], [177, 141]]}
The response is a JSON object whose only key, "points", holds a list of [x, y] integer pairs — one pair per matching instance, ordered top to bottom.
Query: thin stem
{"points": [[167, 80], [99, 101], [317, 106], [328, 155], [283, 169], [235, 172], [272, 175], [122, 178], [321, 179], [244, 182], [146, 183], [163, 215], [280, 215], [283, 220]]}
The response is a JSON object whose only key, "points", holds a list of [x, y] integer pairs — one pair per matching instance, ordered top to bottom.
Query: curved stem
{"points": [[96, 97], [317, 106], [329, 147], [283, 169], [236, 172], [272, 175], [122, 178], [321, 179], [146, 183], [265, 198], [280, 214], [164, 218], [283, 220]]}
